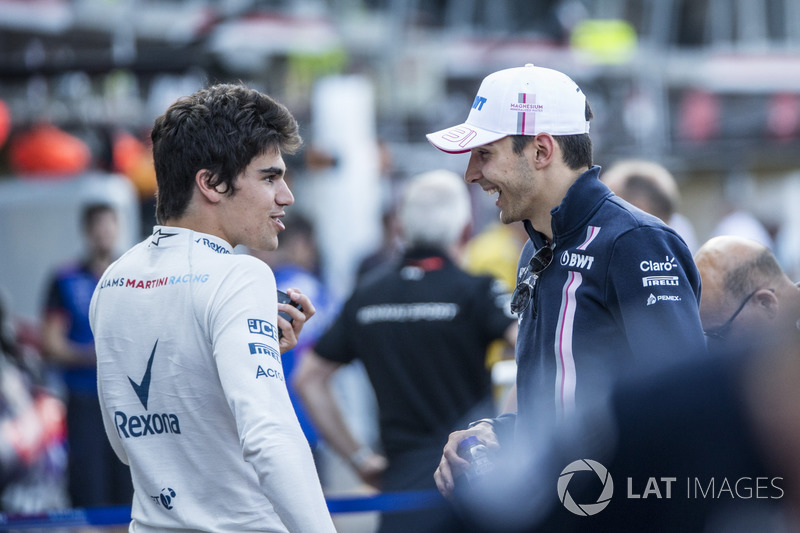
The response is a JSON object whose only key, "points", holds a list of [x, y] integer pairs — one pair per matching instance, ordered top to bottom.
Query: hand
{"points": [[291, 331], [451, 465], [371, 469]]}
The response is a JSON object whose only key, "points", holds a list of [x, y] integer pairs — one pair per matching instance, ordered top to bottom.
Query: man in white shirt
{"points": [[188, 335]]}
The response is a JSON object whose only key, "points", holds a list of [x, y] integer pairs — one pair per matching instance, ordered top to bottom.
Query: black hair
{"points": [[219, 129], [576, 149], [91, 211]]}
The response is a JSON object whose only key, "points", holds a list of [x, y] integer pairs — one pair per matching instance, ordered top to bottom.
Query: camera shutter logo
{"points": [[585, 509]]}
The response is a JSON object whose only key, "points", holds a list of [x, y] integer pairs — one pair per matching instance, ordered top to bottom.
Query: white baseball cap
{"points": [[518, 101]]}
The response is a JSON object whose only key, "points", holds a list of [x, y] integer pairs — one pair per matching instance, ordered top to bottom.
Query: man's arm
{"points": [[654, 289], [57, 347], [250, 372], [312, 382]]}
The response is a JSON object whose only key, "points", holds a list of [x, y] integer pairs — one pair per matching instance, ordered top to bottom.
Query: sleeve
{"points": [[653, 289], [242, 324], [336, 343], [108, 423], [110, 428]]}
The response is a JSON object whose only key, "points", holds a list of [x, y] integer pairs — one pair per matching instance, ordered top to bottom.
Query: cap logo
{"points": [[478, 103], [525, 107], [460, 135]]}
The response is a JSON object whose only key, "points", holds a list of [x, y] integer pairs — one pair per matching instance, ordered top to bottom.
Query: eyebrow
{"points": [[273, 170]]}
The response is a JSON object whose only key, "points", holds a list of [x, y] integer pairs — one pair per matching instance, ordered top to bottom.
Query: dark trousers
{"points": [[96, 475]]}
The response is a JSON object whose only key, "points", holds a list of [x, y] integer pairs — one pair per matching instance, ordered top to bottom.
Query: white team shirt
{"points": [[192, 390]]}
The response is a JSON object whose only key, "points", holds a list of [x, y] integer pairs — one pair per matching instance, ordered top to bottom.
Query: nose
{"points": [[473, 172], [284, 196]]}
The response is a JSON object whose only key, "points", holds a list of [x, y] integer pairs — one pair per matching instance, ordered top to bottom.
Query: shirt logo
{"points": [[158, 235], [220, 249], [575, 260], [659, 266], [650, 281], [652, 299], [414, 312], [261, 327], [259, 348], [268, 373], [143, 389], [146, 424], [165, 498]]}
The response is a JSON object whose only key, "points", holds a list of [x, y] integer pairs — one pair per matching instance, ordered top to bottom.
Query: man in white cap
{"points": [[601, 284]]}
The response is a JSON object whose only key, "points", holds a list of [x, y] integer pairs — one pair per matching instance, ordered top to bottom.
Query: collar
{"points": [[583, 198], [581, 201], [164, 236], [425, 258]]}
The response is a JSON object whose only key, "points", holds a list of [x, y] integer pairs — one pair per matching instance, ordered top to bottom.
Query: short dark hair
{"points": [[220, 129], [576, 149], [91, 211]]}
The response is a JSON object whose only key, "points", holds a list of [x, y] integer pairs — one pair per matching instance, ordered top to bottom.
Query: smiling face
{"points": [[498, 170], [252, 216]]}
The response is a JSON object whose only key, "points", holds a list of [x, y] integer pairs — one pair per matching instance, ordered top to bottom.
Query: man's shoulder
{"points": [[626, 214], [622, 219]]}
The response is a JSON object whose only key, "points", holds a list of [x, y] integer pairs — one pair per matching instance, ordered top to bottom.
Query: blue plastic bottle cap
{"points": [[468, 442]]}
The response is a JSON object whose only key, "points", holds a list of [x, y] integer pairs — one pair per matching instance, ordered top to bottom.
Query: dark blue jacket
{"points": [[622, 288]]}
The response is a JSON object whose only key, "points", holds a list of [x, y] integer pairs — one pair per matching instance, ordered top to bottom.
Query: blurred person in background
{"points": [[653, 189], [739, 214], [390, 247], [495, 251], [601, 284], [746, 296], [421, 327], [188, 334], [32, 429], [96, 475]]}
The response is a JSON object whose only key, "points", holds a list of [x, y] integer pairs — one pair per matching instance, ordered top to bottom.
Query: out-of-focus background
{"points": [[708, 88]]}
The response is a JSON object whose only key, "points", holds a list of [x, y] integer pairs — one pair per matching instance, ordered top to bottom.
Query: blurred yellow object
{"points": [[605, 40], [496, 251]]}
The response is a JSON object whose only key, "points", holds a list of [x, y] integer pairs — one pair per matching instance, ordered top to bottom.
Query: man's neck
{"points": [[542, 221], [201, 224]]}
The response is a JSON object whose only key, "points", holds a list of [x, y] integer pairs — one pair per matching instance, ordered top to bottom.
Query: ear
{"points": [[543, 150], [203, 181], [766, 302]]}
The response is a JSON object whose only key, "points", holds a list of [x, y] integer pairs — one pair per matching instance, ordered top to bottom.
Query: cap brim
{"points": [[462, 138]]}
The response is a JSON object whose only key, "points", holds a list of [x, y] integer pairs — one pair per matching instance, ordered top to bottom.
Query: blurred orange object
{"points": [[45, 150], [135, 159]]}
